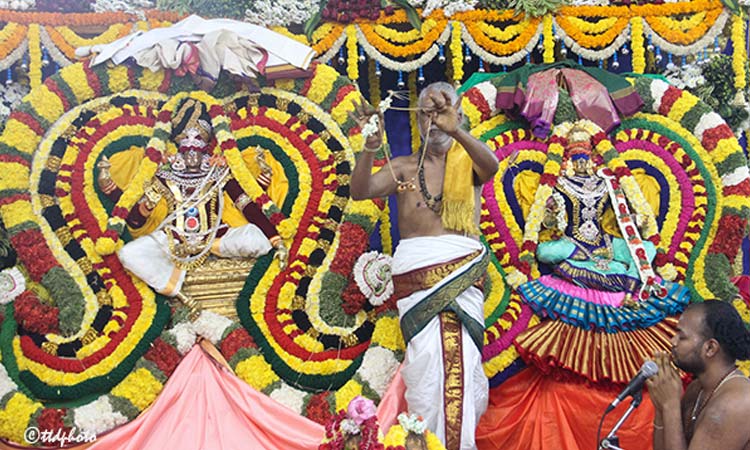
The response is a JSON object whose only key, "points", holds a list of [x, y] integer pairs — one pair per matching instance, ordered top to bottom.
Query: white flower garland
{"points": [[17, 5], [135, 7], [269, 13], [705, 41], [335, 47], [54, 53], [15, 55], [594, 55], [501, 60], [404, 66], [657, 88], [489, 93], [707, 121], [736, 176], [372, 273], [12, 284], [211, 326], [185, 337], [378, 367], [289, 396], [98, 416]]}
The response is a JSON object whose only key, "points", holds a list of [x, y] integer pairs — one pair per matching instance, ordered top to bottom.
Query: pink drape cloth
{"points": [[590, 295], [393, 403], [204, 406]]}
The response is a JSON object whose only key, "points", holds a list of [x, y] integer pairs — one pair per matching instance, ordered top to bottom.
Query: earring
{"points": [[178, 163]]}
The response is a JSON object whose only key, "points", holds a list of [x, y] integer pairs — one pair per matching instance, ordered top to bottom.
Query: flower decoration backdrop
{"points": [[680, 153]]}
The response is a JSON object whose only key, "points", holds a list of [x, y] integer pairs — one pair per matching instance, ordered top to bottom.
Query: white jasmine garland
{"points": [[17, 5], [129, 6], [451, 7], [271, 13], [705, 41], [335, 47], [54, 53], [15, 55], [594, 55], [499, 60], [404, 66], [211, 326], [185, 336], [378, 367], [290, 397], [98, 416]]}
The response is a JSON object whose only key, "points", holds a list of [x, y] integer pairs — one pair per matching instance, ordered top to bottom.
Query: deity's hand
{"points": [[444, 113], [363, 115], [265, 168], [104, 178], [282, 253]]}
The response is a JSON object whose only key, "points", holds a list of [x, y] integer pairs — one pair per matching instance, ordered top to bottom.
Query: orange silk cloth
{"points": [[534, 411]]}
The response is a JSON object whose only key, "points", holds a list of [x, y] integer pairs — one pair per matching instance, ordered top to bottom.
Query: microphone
{"points": [[648, 370]]}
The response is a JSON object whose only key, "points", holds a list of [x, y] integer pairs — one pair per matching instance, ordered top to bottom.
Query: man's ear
{"points": [[712, 347]]}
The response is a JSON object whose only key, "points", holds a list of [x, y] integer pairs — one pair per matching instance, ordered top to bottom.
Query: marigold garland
{"points": [[549, 40], [638, 50], [457, 54], [35, 56], [739, 56], [352, 58]]}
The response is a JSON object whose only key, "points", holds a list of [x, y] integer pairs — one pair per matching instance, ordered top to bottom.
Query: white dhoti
{"points": [[148, 256], [442, 369]]}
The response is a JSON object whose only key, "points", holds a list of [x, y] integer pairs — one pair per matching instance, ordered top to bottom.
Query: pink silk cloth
{"points": [[590, 99], [590, 295], [205, 407]]}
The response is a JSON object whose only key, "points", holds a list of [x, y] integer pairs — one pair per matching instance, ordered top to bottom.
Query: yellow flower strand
{"points": [[685, 23], [586, 26], [662, 28], [114, 32], [506, 34], [405, 37], [301, 38], [549, 40], [638, 51], [35, 56], [457, 56], [739, 56], [352, 67]]}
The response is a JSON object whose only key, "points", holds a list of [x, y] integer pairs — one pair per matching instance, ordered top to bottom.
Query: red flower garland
{"points": [[33, 315], [236, 340], [164, 356], [318, 409], [52, 419]]}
